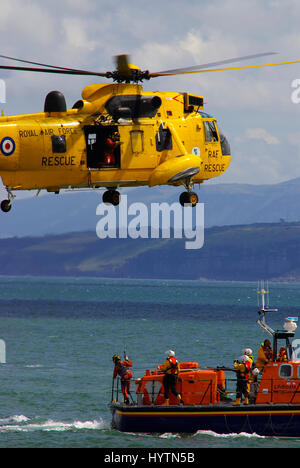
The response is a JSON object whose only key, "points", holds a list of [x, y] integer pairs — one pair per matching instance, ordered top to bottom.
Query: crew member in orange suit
{"points": [[265, 354], [282, 355], [242, 367], [171, 369], [122, 370]]}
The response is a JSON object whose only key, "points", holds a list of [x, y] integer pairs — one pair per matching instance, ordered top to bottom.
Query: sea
{"points": [[58, 336]]}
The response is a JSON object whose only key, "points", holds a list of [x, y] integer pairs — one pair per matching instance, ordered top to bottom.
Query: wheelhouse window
{"points": [[210, 131], [285, 371]]}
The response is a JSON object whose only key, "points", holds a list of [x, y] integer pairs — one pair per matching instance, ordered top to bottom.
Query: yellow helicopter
{"points": [[116, 136]]}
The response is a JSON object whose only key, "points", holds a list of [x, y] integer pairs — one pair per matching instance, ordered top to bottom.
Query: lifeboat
{"points": [[208, 395]]}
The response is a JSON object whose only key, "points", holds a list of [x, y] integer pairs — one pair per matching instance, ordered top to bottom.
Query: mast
{"points": [[263, 308], [285, 334]]}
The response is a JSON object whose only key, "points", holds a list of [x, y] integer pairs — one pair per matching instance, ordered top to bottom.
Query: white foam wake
{"points": [[18, 418], [21, 423], [231, 435]]}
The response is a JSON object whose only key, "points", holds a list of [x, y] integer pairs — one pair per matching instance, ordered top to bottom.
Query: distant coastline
{"points": [[230, 253]]}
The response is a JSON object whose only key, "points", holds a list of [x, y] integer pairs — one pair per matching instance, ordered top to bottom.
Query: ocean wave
{"points": [[34, 366], [17, 418], [21, 423], [169, 435], [230, 435]]}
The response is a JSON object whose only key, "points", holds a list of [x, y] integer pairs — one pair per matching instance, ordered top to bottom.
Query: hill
{"points": [[225, 204], [245, 252]]}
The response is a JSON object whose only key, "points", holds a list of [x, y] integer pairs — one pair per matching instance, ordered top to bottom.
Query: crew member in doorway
{"points": [[109, 156], [265, 354], [282, 355], [242, 367], [171, 369], [122, 370]]}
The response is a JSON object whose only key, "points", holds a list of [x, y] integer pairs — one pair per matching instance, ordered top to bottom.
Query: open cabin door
{"points": [[103, 146]]}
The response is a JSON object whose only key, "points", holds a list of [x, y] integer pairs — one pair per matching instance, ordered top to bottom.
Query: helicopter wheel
{"points": [[112, 197], [189, 198], [6, 206]]}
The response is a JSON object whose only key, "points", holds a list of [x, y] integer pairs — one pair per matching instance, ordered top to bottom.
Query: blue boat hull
{"points": [[266, 420]]}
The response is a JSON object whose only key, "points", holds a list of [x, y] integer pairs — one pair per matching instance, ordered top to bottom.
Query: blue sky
{"points": [[253, 107]]}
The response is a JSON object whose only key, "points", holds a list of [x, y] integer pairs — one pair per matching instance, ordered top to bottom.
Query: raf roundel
{"points": [[7, 146]]}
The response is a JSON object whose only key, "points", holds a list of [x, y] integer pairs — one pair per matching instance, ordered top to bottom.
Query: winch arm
{"points": [[265, 327]]}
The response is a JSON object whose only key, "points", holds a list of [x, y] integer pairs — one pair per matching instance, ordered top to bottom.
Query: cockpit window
{"points": [[204, 115], [210, 131]]}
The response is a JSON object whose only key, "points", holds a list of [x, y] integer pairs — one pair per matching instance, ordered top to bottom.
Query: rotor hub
{"points": [[134, 75]]}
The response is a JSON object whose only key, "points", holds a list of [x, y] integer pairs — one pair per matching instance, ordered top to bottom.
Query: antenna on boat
{"points": [[263, 293], [263, 303], [289, 326]]}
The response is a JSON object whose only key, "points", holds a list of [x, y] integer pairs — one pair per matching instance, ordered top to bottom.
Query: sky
{"points": [[257, 109]]}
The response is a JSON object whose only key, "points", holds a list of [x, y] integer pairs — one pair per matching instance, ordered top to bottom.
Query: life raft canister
{"points": [[183, 365], [189, 365]]}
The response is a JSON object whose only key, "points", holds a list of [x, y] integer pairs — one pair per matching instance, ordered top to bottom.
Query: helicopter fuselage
{"points": [[116, 136]]}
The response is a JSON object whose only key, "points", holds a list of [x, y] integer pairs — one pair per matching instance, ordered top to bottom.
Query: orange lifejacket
{"points": [[282, 356], [174, 365], [247, 365], [121, 369], [243, 370]]}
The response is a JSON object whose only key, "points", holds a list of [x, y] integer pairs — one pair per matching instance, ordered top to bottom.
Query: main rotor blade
{"points": [[36, 63], [122, 64], [211, 64], [225, 69], [59, 70]]}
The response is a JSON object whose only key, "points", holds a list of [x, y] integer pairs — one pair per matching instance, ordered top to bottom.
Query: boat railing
{"points": [[270, 391]]}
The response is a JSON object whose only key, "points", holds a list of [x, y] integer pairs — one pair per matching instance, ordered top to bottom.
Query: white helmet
{"points": [[248, 351], [170, 353], [244, 358], [255, 371]]}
